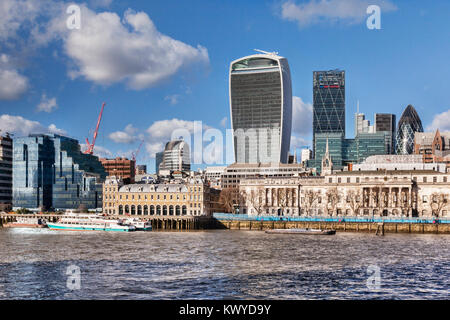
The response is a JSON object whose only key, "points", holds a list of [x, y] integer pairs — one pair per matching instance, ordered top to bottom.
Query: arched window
{"points": [[121, 209], [127, 209], [133, 209], [145, 210], [152, 210], [158, 210], [164, 210], [177, 210], [184, 210], [139, 211], [171, 211]]}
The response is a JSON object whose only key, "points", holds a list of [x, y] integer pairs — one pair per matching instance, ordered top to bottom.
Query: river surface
{"points": [[222, 264]]}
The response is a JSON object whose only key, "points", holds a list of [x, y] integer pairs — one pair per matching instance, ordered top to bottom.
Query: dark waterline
{"points": [[221, 265]]}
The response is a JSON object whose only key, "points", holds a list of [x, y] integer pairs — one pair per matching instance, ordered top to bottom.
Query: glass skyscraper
{"points": [[328, 103], [261, 108], [385, 122], [408, 124], [50, 172]]}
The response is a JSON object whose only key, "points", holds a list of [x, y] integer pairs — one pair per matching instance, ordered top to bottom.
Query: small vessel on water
{"points": [[26, 222], [89, 222], [139, 225], [306, 231]]}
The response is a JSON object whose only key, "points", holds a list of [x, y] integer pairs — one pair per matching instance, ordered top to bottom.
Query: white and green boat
{"points": [[88, 222]]}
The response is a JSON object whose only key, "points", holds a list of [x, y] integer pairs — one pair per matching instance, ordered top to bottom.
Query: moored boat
{"points": [[26, 222], [89, 223], [139, 225], [306, 231]]}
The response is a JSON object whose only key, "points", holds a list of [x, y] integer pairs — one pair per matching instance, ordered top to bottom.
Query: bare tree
{"points": [[311, 197], [227, 199], [257, 199], [332, 199], [355, 200], [438, 202]]}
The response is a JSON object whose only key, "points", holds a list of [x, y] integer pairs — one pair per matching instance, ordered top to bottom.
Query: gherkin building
{"points": [[408, 125]]}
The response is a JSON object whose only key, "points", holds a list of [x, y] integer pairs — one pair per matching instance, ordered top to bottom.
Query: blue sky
{"points": [[69, 74]]}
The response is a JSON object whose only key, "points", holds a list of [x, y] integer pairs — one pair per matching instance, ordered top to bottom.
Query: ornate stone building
{"points": [[410, 193], [192, 197]]}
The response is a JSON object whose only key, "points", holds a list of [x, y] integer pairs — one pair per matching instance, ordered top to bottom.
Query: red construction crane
{"points": [[90, 146], [134, 155]]}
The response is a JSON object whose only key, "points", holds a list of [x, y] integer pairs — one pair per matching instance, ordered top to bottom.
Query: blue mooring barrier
{"points": [[246, 217]]}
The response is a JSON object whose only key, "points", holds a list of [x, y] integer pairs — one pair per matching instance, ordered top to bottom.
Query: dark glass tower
{"points": [[328, 103], [385, 122], [408, 124]]}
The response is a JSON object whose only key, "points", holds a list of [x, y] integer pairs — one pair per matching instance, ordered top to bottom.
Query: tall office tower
{"points": [[328, 103], [261, 108], [385, 122], [408, 124], [362, 125], [6, 148], [176, 156], [158, 160], [49, 171]]}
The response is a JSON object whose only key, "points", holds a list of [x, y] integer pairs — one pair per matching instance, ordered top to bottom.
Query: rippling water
{"points": [[221, 265]]}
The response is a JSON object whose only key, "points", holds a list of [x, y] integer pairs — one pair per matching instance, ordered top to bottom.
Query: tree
{"points": [[311, 198], [227, 199], [257, 199], [332, 199], [355, 200], [438, 202]]}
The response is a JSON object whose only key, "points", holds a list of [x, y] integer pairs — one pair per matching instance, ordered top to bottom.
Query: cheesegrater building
{"points": [[261, 108]]}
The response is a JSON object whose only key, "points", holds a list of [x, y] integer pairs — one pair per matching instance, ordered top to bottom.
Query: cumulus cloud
{"points": [[323, 11], [17, 15], [108, 49], [12, 84], [47, 104], [302, 116], [440, 121], [22, 127], [128, 135], [99, 151]]}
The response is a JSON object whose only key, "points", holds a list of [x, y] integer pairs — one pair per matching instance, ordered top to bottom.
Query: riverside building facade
{"points": [[261, 108], [50, 172], [408, 193], [192, 197]]}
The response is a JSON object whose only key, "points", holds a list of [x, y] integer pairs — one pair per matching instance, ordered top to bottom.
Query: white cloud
{"points": [[320, 11], [16, 15], [107, 50], [12, 84], [173, 99], [46, 104], [302, 116], [440, 121], [223, 122], [21, 126], [127, 136], [299, 142], [99, 151]]}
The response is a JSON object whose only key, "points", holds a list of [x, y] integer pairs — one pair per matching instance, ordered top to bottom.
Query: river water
{"points": [[222, 264]]}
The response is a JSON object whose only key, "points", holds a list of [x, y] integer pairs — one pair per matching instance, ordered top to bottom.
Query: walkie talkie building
{"points": [[261, 108]]}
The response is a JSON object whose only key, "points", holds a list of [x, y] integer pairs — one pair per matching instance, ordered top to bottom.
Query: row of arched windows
{"points": [[153, 210]]}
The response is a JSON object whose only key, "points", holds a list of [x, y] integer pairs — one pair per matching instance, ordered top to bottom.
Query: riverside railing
{"points": [[246, 217]]}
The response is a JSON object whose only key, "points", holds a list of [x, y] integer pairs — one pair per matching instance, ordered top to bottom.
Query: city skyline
{"points": [[59, 84]]}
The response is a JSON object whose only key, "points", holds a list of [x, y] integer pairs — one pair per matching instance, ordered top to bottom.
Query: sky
{"points": [[162, 65]]}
